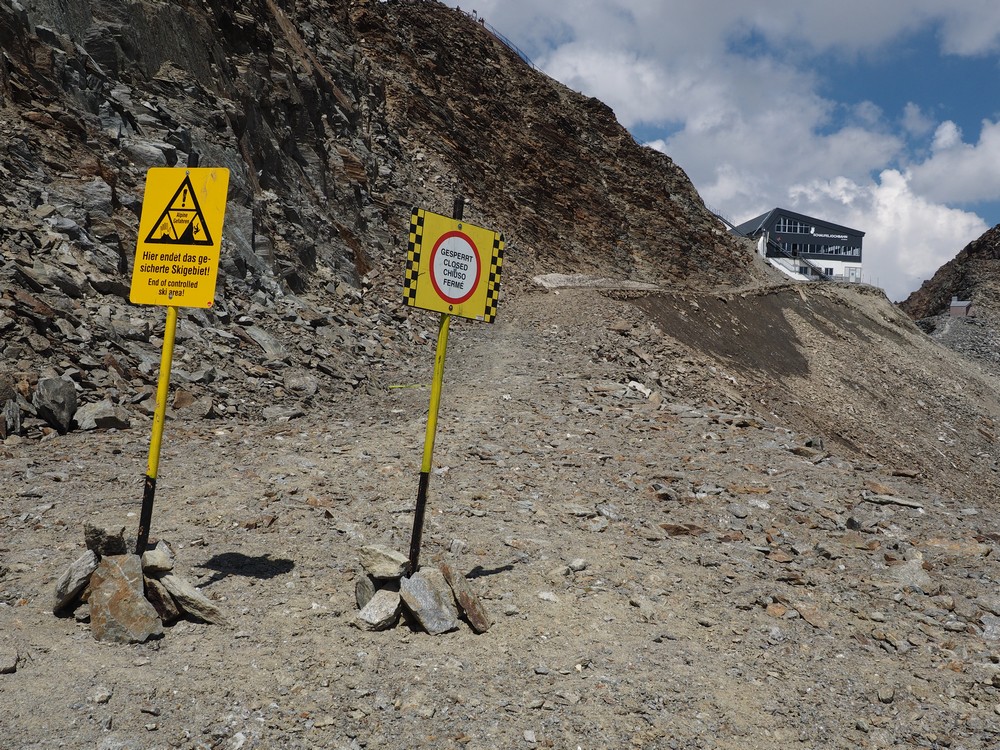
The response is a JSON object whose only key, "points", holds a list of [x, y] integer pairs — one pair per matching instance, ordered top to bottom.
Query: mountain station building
{"points": [[806, 248]]}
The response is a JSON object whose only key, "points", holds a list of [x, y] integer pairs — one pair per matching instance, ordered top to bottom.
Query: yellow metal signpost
{"points": [[176, 265], [452, 268]]}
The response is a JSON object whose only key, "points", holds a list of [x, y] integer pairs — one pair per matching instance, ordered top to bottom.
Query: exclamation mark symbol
{"points": [[184, 198]]}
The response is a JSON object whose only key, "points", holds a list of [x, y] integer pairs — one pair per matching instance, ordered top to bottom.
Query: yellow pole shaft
{"points": [[442, 345], [162, 388], [425, 468]]}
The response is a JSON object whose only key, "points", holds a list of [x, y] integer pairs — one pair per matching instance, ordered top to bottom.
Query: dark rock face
{"points": [[335, 118], [972, 274]]}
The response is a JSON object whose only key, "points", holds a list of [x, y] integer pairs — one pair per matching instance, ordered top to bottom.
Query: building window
{"points": [[792, 226], [828, 271]]}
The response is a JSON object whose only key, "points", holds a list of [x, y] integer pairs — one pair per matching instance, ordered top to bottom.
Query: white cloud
{"points": [[971, 27], [735, 86], [639, 90], [915, 121], [947, 136], [959, 172], [907, 236]]}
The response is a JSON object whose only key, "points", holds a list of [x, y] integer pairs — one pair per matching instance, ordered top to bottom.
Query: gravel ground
{"points": [[670, 558]]}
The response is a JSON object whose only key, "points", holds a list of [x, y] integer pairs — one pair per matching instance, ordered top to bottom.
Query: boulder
{"points": [[55, 402], [102, 415], [103, 542], [158, 560], [380, 562], [73, 580], [427, 595], [161, 600], [191, 600], [468, 602], [119, 611], [381, 612]]}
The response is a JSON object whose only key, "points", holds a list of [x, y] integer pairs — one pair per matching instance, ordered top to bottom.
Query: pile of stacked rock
{"points": [[129, 598], [433, 599]]}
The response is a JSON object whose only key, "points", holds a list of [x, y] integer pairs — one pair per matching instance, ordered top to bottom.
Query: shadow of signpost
{"points": [[238, 564], [479, 571]]}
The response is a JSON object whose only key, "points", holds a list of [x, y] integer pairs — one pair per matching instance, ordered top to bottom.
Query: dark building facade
{"points": [[804, 246]]}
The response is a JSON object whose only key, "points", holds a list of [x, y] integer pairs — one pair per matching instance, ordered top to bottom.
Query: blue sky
{"points": [[880, 116]]}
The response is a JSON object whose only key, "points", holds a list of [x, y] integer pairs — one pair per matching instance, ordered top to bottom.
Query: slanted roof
{"points": [[748, 228]]}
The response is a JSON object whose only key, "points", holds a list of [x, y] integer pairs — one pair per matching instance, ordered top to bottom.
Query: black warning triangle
{"points": [[182, 222]]}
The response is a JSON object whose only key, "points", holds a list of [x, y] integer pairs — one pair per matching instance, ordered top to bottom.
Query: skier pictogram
{"points": [[182, 222]]}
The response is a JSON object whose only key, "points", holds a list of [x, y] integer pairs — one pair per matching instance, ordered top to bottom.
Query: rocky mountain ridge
{"points": [[334, 119], [973, 274], [703, 508]]}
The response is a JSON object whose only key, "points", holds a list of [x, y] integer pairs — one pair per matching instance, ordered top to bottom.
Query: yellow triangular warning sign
{"points": [[181, 222]]}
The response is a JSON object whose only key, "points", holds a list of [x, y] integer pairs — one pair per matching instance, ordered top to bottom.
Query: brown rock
{"points": [[183, 399], [682, 529], [161, 600], [468, 602], [776, 610], [119, 613], [812, 615]]}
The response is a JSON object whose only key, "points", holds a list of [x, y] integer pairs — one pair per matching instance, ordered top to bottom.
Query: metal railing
{"points": [[503, 39]]}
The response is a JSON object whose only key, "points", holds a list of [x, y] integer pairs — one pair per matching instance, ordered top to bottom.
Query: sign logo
{"points": [[181, 222], [180, 237], [455, 267]]}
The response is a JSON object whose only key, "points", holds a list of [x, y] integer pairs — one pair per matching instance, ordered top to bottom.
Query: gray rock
{"points": [[148, 154], [97, 197], [271, 345], [301, 384], [55, 401], [280, 413], [102, 415], [10, 419], [738, 510], [158, 560], [381, 562], [912, 574], [73, 580], [364, 590], [428, 596], [191, 600], [990, 604], [119, 611], [381, 611], [8, 662]]}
